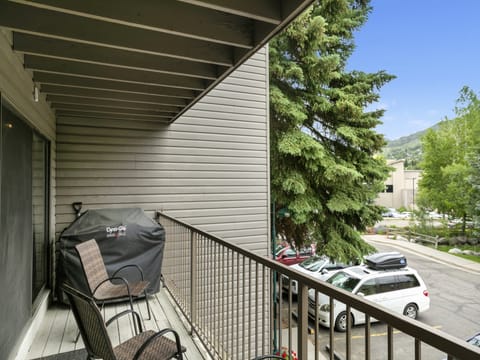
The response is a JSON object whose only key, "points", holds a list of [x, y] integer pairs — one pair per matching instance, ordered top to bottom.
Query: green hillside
{"points": [[407, 147]]}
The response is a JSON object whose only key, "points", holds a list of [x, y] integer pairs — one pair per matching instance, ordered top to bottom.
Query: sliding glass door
{"points": [[39, 214], [23, 223]]}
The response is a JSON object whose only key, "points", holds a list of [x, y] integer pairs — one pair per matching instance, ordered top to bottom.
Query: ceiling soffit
{"points": [[142, 59]]}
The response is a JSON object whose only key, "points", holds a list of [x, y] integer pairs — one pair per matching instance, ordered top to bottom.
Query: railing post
{"points": [[193, 281], [302, 326]]}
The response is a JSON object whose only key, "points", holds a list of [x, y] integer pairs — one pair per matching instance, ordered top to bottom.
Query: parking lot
{"points": [[454, 309]]}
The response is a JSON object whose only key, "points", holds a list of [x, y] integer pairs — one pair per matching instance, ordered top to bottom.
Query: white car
{"points": [[405, 215], [434, 215], [318, 267], [396, 287]]}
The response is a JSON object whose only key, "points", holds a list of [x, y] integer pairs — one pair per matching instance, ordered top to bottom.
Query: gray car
{"points": [[319, 267], [474, 340]]}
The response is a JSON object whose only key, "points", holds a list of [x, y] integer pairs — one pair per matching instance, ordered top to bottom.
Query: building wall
{"points": [[209, 168], [405, 187], [410, 188]]}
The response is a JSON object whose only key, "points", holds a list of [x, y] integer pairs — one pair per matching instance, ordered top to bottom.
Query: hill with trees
{"points": [[407, 147]]}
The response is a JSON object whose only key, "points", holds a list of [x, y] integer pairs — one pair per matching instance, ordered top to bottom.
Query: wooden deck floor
{"points": [[58, 330]]}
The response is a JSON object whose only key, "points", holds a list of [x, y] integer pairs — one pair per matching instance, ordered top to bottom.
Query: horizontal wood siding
{"points": [[16, 86], [209, 168]]}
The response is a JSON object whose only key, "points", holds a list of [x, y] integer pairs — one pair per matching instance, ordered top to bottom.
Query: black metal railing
{"points": [[229, 297]]}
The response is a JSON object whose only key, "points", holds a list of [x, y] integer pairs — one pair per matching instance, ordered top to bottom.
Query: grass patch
{"points": [[445, 248]]}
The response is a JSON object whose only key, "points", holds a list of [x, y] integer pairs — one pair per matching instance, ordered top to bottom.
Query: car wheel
{"points": [[411, 310], [341, 322]]}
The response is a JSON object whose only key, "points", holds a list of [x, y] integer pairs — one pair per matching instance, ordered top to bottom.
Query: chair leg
{"points": [[148, 305], [135, 326], [77, 337]]}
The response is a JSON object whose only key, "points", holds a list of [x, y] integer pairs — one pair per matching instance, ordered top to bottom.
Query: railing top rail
{"points": [[416, 329]]}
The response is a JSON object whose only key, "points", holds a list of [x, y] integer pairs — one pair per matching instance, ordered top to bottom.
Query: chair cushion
{"points": [[160, 348]]}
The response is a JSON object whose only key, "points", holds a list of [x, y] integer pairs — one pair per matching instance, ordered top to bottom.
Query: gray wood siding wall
{"points": [[16, 87], [209, 168]]}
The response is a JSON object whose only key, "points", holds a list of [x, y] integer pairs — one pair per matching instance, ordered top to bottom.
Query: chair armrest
{"points": [[127, 266], [110, 279], [126, 312], [155, 336]]}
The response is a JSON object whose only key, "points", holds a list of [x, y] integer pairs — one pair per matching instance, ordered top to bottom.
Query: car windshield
{"points": [[279, 249], [289, 253], [313, 263], [343, 281], [475, 341]]}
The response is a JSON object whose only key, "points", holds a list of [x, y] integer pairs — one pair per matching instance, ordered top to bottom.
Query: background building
{"points": [[400, 188]]}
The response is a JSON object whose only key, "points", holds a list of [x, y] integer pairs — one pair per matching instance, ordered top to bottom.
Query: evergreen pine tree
{"points": [[324, 168]]}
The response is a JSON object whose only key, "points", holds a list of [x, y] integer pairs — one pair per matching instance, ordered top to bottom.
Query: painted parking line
{"points": [[355, 337]]}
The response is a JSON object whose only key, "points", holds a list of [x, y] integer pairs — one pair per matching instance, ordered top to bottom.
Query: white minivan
{"points": [[395, 286]]}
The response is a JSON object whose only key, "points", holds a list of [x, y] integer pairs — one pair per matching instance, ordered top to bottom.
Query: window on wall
{"points": [[389, 188]]}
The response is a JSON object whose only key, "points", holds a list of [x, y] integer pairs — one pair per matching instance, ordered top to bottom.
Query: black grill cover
{"points": [[124, 236]]}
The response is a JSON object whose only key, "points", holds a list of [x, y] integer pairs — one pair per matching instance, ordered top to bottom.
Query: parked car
{"points": [[390, 212], [393, 213], [405, 215], [434, 215], [279, 248], [291, 256], [318, 267], [385, 279], [474, 340]]}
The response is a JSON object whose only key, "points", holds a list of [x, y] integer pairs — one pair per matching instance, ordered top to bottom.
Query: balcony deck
{"points": [[58, 330]]}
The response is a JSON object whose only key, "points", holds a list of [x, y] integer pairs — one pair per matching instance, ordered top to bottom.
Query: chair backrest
{"points": [[92, 263], [90, 323]]}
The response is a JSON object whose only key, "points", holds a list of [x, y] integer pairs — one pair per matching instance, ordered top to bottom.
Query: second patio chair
{"points": [[103, 287], [149, 344]]}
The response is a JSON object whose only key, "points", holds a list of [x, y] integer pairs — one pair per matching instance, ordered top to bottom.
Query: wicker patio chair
{"points": [[101, 287], [147, 345]]}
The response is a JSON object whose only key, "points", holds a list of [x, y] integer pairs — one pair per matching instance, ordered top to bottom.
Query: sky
{"points": [[432, 47]]}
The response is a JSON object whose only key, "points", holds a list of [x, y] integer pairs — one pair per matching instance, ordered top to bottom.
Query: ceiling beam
{"points": [[267, 11], [168, 16], [91, 31], [62, 49], [44, 64], [84, 82], [53, 90], [64, 99], [113, 110], [70, 113]]}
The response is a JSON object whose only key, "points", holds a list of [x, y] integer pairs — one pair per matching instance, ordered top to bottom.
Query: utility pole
{"points": [[413, 193]]}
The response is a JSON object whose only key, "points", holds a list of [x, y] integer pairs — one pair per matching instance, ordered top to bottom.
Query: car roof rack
{"points": [[386, 261]]}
